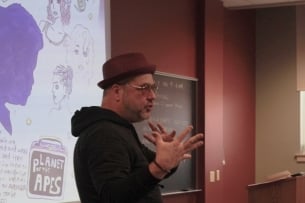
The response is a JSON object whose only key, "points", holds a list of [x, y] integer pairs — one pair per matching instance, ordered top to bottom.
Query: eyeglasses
{"points": [[145, 88]]}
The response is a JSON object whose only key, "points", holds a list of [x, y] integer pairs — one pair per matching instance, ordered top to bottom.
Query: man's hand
{"points": [[167, 137], [170, 153]]}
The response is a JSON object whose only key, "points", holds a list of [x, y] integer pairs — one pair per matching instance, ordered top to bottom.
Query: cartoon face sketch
{"points": [[81, 5], [54, 9], [59, 9], [58, 16], [20, 40], [80, 52], [61, 84]]}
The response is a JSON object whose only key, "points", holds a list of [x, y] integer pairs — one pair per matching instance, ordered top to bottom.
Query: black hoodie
{"points": [[110, 163]]}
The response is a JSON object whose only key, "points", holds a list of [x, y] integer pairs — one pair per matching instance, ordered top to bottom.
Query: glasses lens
{"points": [[146, 88]]}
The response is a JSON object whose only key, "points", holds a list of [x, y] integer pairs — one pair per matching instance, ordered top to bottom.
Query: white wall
{"points": [[277, 101]]}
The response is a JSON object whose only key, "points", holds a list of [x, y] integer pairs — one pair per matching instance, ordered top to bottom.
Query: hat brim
{"points": [[139, 71]]}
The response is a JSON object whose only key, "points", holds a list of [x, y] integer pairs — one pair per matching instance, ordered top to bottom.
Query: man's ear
{"points": [[117, 91]]}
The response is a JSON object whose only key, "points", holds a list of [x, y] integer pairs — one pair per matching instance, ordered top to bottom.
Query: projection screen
{"points": [[51, 53]]}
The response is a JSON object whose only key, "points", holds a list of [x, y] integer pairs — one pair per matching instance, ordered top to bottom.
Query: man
{"points": [[111, 165]]}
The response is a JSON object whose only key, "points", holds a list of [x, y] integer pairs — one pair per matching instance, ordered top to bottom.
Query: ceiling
{"points": [[259, 3]]}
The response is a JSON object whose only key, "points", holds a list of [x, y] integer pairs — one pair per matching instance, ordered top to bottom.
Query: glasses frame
{"points": [[145, 88]]}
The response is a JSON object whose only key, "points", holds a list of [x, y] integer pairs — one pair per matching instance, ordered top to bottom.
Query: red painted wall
{"points": [[163, 30], [218, 49], [229, 102], [239, 103], [214, 146]]}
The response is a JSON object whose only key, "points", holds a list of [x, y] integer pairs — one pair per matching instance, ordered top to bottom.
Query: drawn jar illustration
{"points": [[46, 169]]}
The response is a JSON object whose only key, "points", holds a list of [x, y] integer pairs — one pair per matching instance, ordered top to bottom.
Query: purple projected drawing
{"points": [[20, 42]]}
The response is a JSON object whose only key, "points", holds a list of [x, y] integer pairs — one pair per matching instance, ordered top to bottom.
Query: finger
{"points": [[152, 126], [161, 128], [184, 133], [172, 134], [157, 137], [169, 137], [150, 138], [195, 138], [193, 142], [193, 146], [186, 156]]}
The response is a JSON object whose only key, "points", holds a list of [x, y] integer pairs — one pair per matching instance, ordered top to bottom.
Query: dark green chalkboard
{"points": [[175, 108]]}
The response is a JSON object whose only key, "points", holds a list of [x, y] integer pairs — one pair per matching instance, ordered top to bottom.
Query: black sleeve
{"points": [[109, 163]]}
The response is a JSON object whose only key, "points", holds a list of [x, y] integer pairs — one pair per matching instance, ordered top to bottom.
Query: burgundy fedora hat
{"points": [[125, 66]]}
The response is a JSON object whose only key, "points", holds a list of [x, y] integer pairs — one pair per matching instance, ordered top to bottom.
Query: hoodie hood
{"points": [[87, 116]]}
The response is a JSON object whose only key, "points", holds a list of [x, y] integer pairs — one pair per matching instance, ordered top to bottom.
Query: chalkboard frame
{"points": [[186, 103]]}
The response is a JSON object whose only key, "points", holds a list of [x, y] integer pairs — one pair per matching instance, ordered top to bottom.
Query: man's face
{"points": [[138, 98]]}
